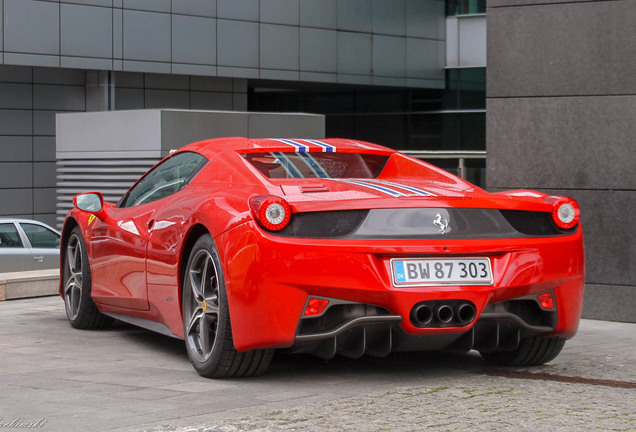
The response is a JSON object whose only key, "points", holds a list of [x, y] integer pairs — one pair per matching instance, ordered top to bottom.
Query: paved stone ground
{"points": [[127, 379]]}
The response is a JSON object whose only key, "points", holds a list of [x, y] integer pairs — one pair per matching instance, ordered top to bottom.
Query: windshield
{"points": [[280, 165]]}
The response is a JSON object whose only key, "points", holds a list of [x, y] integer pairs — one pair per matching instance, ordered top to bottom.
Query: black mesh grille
{"points": [[534, 223], [328, 224]]}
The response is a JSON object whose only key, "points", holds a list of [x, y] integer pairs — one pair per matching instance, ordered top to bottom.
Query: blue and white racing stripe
{"points": [[300, 147], [325, 147], [288, 165], [313, 165], [375, 187], [389, 188], [412, 189]]}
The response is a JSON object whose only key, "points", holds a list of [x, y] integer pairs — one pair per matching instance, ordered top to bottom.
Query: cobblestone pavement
{"points": [[128, 379]]}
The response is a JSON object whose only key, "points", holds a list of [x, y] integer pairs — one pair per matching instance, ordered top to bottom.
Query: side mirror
{"points": [[92, 202]]}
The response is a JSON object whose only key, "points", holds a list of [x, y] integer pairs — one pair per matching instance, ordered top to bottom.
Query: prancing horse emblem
{"points": [[441, 222]]}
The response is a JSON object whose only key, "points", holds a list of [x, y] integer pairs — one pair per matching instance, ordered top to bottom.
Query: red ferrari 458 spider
{"points": [[241, 246]]}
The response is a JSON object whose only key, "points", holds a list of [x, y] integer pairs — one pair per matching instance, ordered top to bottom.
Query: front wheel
{"points": [[206, 320], [532, 351]]}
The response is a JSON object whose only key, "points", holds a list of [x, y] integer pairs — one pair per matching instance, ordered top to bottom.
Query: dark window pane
{"points": [[9, 237], [41, 237]]}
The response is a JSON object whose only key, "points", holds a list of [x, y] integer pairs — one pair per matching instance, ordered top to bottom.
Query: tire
{"points": [[76, 281], [206, 320], [531, 352]]}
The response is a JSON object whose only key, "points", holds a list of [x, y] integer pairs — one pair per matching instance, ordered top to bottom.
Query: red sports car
{"points": [[241, 246]]}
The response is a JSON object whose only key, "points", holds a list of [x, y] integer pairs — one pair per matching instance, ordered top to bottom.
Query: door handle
{"points": [[38, 259]]}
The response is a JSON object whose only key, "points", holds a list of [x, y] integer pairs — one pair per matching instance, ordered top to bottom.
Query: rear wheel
{"points": [[76, 282], [206, 320], [532, 351]]}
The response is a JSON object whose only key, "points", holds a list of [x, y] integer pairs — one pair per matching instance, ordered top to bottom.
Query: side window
{"points": [[165, 179], [9, 237], [41, 237]]}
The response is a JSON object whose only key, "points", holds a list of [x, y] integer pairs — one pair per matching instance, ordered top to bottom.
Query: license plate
{"points": [[433, 271]]}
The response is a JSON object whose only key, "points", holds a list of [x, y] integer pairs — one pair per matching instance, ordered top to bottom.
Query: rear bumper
{"points": [[269, 280]]}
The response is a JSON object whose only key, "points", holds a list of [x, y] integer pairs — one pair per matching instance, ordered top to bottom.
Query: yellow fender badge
{"points": [[91, 219]]}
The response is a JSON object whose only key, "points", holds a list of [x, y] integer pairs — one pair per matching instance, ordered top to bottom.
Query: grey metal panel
{"points": [[105, 3], [508, 3], [148, 5], [195, 7], [246, 10], [280, 12], [319, 13], [355, 15], [389, 17], [426, 19], [31, 27], [1, 31], [86, 31], [118, 33], [146, 36], [193, 40], [237, 44], [279, 47], [562, 49], [318, 50], [355, 53], [389, 56], [424, 58], [32, 59], [86, 63], [147, 66], [190, 69], [237, 72], [16, 74], [283, 75], [59, 76], [319, 77], [129, 79], [355, 79], [166, 82], [199, 83], [239, 85], [15, 96], [58, 97], [129, 99], [166, 99], [211, 101], [239, 102], [14, 122], [44, 123], [268, 125], [180, 128], [111, 130], [568, 143], [16, 149], [43, 149], [43, 174], [16, 175], [44, 200], [16, 202]]}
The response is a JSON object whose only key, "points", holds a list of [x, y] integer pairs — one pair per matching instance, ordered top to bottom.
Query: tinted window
{"points": [[322, 165], [165, 179], [9, 237], [41, 237]]}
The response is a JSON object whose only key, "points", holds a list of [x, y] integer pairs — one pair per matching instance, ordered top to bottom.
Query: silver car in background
{"points": [[28, 245]]}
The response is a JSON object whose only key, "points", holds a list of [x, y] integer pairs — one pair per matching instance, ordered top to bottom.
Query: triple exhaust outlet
{"points": [[450, 313]]}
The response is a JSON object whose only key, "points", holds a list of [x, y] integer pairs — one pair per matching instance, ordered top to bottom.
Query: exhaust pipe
{"points": [[465, 312], [444, 314], [422, 315]]}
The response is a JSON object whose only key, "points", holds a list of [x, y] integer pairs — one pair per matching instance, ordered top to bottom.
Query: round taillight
{"points": [[272, 212], [566, 214]]}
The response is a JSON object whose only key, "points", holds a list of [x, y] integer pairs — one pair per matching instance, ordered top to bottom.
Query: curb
{"points": [[36, 283]]}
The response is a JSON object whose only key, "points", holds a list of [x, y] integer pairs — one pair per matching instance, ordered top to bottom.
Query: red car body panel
{"points": [[137, 254]]}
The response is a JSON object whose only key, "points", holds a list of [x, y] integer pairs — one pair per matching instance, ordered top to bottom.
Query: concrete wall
{"points": [[384, 42], [561, 103]]}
